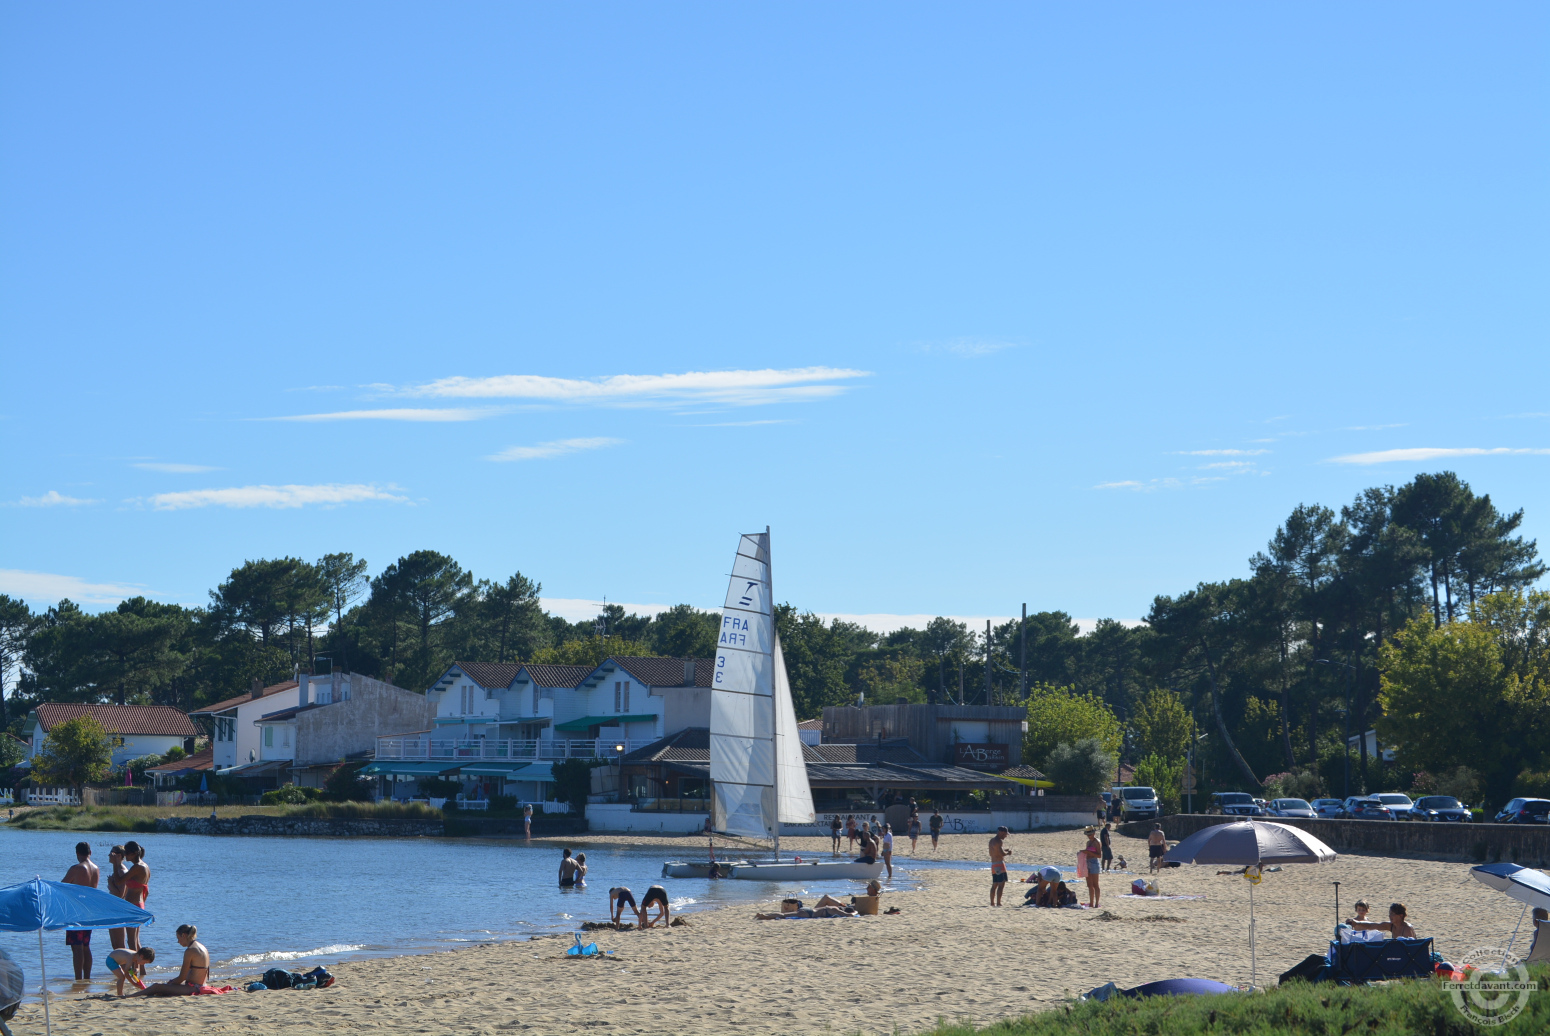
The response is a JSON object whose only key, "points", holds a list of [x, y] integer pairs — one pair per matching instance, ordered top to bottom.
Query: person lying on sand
{"points": [[828, 906], [1397, 926], [130, 964], [194, 973]]}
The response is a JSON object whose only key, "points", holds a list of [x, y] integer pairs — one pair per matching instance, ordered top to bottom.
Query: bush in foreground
{"points": [[1395, 1009]]}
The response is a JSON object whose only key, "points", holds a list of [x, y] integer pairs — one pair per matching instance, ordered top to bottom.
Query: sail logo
{"points": [[748, 600], [734, 631]]}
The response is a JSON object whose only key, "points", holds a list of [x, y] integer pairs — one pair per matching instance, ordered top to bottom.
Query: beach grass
{"points": [[143, 818], [1397, 1008]]}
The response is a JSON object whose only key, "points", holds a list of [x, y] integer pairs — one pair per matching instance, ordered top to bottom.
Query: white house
{"points": [[335, 717], [135, 730], [233, 733]]}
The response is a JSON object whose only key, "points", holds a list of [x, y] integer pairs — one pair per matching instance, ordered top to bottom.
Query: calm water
{"points": [[270, 902]]}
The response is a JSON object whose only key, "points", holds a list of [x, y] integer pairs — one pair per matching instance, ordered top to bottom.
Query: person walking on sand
{"points": [[936, 827], [913, 829], [850, 830], [834, 832], [1156, 847], [888, 848], [1108, 850], [998, 854], [1089, 857], [83, 873], [137, 887], [116, 888], [195, 972]]}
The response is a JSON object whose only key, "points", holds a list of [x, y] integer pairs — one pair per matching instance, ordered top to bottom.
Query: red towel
{"points": [[214, 990]]}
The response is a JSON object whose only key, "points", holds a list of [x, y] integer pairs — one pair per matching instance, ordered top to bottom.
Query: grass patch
{"points": [[143, 818], [1296, 1009]]}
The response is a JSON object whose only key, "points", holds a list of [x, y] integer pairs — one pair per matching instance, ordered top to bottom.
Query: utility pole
{"points": [[1022, 662], [960, 679], [988, 700]]}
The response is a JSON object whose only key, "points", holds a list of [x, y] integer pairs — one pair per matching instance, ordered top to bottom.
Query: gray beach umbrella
{"points": [[1250, 844]]}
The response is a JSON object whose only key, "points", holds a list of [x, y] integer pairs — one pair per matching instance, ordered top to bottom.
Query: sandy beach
{"points": [[947, 955]]}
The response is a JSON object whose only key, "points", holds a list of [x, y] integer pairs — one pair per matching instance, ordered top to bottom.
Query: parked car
{"points": [[1137, 802], [1235, 803], [1399, 803], [1360, 807], [1292, 808], [1441, 808], [1329, 809], [1525, 811]]}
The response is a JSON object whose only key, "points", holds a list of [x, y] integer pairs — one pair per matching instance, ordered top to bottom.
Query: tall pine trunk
{"points": [[1221, 723]]}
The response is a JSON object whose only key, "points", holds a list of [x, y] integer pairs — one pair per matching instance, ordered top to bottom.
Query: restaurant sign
{"points": [[982, 756]]}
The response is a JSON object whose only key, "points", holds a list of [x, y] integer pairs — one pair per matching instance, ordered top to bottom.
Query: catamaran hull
{"points": [[694, 870], [807, 870]]}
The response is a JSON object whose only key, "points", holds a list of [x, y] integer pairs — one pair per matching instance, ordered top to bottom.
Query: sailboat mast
{"points": [[769, 567]]}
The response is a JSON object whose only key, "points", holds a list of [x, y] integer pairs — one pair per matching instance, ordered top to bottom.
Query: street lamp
{"points": [[1347, 714]]}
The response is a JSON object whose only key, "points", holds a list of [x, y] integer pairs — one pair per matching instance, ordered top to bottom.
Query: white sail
{"points": [[742, 713], [796, 796]]}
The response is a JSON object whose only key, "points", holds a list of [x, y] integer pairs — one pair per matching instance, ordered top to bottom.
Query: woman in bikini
{"points": [[137, 887], [116, 888], [195, 972]]}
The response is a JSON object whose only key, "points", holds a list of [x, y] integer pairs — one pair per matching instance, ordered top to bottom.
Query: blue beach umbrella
{"points": [[1525, 884], [39, 906]]}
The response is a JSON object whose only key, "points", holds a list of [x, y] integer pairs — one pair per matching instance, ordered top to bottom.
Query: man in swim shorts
{"points": [[936, 826], [1156, 847], [998, 854], [568, 870], [83, 873], [658, 895], [617, 899], [130, 964]]}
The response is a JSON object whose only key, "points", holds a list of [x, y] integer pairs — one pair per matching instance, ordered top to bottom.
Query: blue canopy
{"points": [[39, 905]]}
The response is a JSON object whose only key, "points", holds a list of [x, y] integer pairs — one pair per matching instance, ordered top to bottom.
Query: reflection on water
{"points": [[262, 902]]}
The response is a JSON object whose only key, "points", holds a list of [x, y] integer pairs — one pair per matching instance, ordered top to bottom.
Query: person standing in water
{"points": [[527, 821], [888, 848], [568, 868], [83, 873], [137, 887], [116, 888]]}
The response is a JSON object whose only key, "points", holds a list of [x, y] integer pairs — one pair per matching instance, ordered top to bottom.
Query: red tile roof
{"points": [[243, 699], [121, 719], [204, 759]]}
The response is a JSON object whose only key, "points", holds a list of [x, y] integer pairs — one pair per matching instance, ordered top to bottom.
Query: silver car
{"points": [[1292, 808]]}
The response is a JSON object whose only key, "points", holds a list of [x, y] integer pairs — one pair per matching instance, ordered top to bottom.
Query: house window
{"points": [[616, 695], [626, 696], [535, 699], [269, 737], [286, 737]]}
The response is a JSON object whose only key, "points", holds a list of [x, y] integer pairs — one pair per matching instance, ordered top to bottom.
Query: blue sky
{"points": [[973, 305]]}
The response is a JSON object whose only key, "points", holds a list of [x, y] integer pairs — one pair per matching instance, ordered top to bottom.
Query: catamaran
{"points": [[757, 772]]}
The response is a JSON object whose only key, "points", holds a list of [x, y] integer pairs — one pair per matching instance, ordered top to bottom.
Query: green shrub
{"points": [[1080, 769], [573, 782], [1302, 783], [345, 784], [290, 795], [503, 803], [367, 811]]}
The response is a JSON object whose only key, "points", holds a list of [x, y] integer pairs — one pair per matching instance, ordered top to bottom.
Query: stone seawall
{"points": [[322, 827], [1524, 844]]}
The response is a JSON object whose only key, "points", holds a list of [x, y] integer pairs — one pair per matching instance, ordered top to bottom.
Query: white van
{"points": [[1138, 802]]}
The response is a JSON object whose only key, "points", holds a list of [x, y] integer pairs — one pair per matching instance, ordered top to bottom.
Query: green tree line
{"points": [[1262, 664]]}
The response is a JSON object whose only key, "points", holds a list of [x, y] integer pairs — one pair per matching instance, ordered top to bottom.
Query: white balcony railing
{"points": [[529, 750]]}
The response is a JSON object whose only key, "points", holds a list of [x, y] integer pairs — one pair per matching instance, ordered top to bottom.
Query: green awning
{"points": [[603, 721], [407, 768], [494, 769]]}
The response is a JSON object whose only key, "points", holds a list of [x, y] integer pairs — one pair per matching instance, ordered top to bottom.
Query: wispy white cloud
{"points": [[968, 348], [736, 388], [422, 414], [558, 448], [1221, 453], [1421, 453], [1230, 465], [174, 469], [1153, 484], [328, 495], [53, 498], [49, 588]]}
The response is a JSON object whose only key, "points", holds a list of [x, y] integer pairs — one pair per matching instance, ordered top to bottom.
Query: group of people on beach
{"points": [[877, 843], [573, 875], [130, 880], [1049, 890]]}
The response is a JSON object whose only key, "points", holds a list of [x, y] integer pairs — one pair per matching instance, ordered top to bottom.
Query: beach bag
{"points": [[1142, 887], [1374, 962], [1308, 970], [322, 977], [274, 978], [300, 981], [255, 987]]}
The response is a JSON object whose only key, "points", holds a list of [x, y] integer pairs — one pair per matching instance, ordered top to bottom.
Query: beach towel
{"points": [[1132, 895], [214, 990]]}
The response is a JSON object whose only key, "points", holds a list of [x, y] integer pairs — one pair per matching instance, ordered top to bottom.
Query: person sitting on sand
{"points": [[1120, 864], [658, 895], [617, 899], [1361, 909], [1397, 926], [130, 964], [194, 973]]}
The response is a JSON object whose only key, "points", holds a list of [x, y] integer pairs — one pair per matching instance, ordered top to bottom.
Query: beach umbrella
{"points": [[1250, 844], [1525, 884], [39, 906]]}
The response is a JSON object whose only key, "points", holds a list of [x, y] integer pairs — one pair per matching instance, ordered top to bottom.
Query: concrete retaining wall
{"points": [[326, 827], [1525, 844]]}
